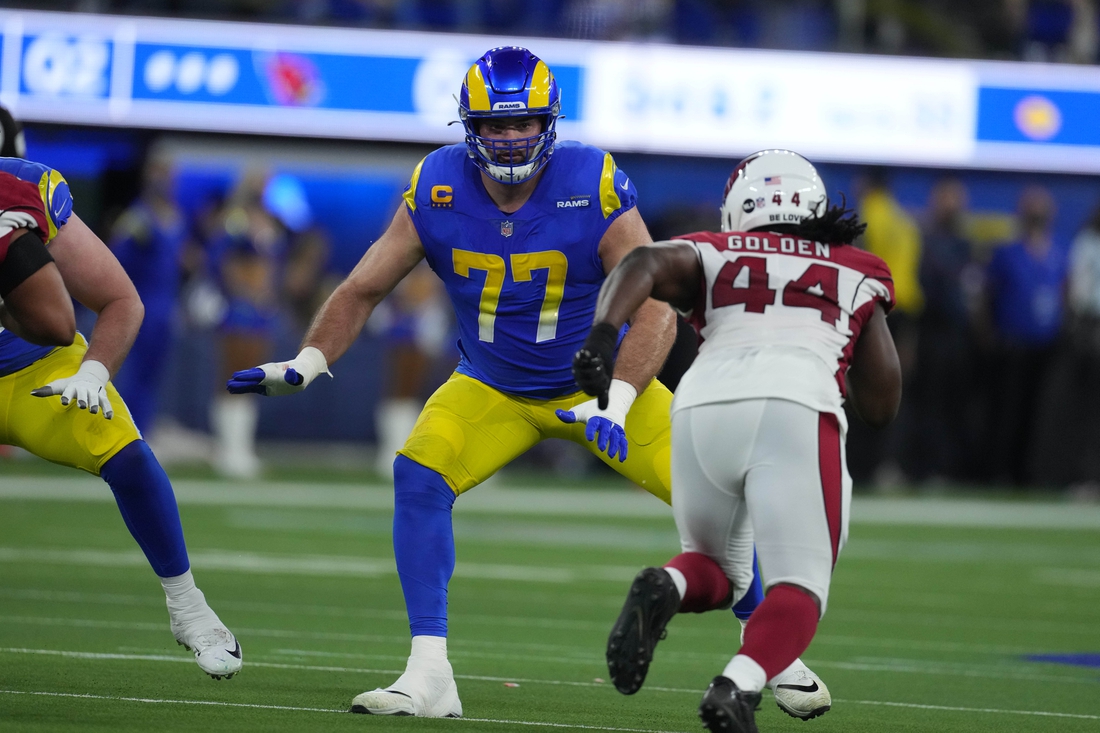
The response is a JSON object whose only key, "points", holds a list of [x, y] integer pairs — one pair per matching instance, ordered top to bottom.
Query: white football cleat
{"points": [[217, 651], [426, 690], [800, 693]]}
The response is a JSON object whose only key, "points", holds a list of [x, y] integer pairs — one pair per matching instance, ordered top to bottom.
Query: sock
{"points": [[148, 506], [423, 544], [678, 580], [707, 586], [178, 588], [755, 595], [185, 601], [780, 630], [429, 647], [746, 674]]}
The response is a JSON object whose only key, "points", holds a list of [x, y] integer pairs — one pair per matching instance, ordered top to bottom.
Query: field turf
{"points": [[936, 606]]}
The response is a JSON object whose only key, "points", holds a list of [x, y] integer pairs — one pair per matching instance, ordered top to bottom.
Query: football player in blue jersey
{"points": [[522, 230], [89, 427]]}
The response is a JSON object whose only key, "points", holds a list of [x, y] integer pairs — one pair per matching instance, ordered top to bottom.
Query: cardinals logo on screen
{"points": [[292, 79]]}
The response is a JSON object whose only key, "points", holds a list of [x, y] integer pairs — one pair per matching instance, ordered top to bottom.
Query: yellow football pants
{"points": [[468, 431], [66, 435]]}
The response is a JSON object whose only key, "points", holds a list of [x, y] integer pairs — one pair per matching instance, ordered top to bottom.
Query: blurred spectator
{"points": [[376, 13], [618, 19], [1044, 30], [1056, 30], [1084, 35], [893, 235], [149, 240], [247, 259], [308, 282], [1084, 283], [1025, 284], [1084, 306], [415, 321], [943, 381]]}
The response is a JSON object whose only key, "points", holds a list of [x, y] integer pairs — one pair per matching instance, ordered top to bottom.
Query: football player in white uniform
{"points": [[793, 322]]}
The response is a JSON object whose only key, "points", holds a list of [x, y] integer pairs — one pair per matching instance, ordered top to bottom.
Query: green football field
{"points": [[936, 606]]}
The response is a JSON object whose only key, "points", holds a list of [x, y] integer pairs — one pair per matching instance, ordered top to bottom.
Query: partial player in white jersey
{"points": [[793, 322]]}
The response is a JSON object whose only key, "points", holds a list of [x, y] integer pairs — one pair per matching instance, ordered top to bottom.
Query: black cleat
{"points": [[651, 603], [726, 708]]}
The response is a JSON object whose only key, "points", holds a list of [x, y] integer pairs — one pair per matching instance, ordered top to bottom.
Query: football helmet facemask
{"points": [[509, 82], [770, 188]]}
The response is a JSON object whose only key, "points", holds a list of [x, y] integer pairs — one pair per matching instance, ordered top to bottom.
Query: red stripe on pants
{"points": [[828, 457]]}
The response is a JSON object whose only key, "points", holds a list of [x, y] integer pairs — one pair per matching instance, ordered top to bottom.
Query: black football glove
{"points": [[595, 362]]}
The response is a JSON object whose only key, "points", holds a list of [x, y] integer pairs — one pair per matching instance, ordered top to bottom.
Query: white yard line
{"points": [[547, 501], [555, 501], [315, 565], [1073, 577], [155, 601], [402, 639], [536, 651], [920, 666], [901, 667], [215, 703], [881, 703], [949, 708]]}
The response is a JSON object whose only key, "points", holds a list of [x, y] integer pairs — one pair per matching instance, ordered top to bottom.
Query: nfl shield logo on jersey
{"points": [[506, 229]]}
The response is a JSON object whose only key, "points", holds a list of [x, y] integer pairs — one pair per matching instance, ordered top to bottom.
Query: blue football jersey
{"points": [[41, 195], [523, 285]]}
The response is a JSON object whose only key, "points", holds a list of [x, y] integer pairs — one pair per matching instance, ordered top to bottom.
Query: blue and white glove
{"points": [[279, 378], [88, 387], [605, 427]]}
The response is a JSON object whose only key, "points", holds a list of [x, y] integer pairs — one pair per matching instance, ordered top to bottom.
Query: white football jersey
{"points": [[779, 317]]}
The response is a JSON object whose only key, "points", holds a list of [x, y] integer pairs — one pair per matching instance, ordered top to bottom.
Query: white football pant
{"points": [[770, 472]]}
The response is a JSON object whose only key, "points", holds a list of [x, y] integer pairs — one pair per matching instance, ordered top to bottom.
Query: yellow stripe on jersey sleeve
{"points": [[475, 90], [539, 95], [46, 187], [410, 195], [609, 198]]}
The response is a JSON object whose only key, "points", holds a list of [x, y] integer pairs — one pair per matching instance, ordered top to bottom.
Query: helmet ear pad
{"points": [[772, 188]]}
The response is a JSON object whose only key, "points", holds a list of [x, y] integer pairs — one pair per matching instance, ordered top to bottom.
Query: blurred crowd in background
{"points": [[1036, 30], [244, 273], [998, 314], [997, 324], [999, 342]]}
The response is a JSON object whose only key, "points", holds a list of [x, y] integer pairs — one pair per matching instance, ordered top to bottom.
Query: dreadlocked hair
{"points": [[838, 225]]}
